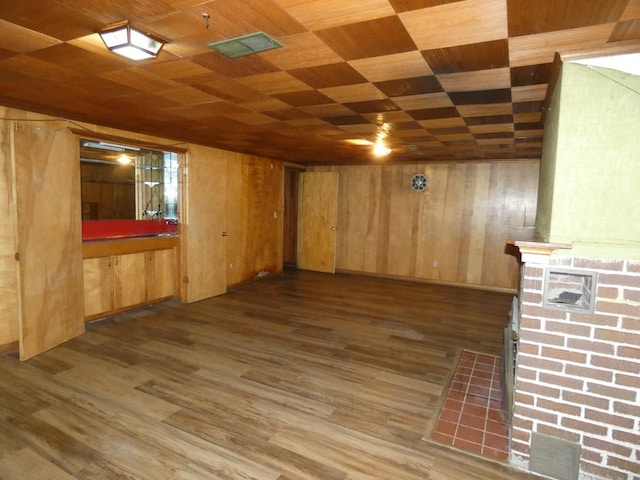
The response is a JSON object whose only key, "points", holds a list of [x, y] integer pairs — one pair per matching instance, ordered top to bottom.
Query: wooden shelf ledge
{"points": [[105, 248], [532, 251]]}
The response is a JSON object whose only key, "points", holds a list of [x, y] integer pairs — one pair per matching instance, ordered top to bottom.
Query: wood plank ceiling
{"points": [[439, 79]]}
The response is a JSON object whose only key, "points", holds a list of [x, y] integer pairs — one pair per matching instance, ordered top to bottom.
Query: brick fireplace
{"points": [[578, 373]]}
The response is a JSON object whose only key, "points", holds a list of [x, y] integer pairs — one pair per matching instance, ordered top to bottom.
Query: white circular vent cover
{"points": [[419, 182]]}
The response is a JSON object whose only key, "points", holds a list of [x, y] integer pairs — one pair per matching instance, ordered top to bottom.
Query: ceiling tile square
{"points": [[408, 5], [333, 13], [528, 18], [458, 23], [629, 30], [365, 39], [541, 48], [301, 51], [466, 58], [392, 67], [530, 74], [332, 75], [478, 80], [272, 83], [409, 86], [354, 93], [481, 97], [303, 98], [427, 100], [372, 106], [434, 113], [489, 119], [346, 120]]}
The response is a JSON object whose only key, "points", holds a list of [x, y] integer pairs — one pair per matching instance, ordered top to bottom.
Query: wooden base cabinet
{"points": [[119, 282]]}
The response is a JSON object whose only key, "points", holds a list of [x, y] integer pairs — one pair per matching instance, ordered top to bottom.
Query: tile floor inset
{"points": [[471, 418]]}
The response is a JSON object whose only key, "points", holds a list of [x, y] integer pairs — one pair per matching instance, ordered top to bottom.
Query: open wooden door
{"points": [[47, 179], [318, 218], [203, 224], [9, 292]]}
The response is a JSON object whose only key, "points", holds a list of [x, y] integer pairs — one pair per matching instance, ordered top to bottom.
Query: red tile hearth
{"points": [[471, 418]]}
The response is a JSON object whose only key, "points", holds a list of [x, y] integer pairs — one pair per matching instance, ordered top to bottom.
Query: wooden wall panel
{"points": [[255, 218], [454, 232], [49, 236], [8, 265]]}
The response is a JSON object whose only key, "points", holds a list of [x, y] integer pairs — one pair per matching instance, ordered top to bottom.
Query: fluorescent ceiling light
{"points": [[129, 42], [108, 146]]}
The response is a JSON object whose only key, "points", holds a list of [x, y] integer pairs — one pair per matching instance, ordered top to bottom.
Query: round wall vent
{"points": [[419, 182]]}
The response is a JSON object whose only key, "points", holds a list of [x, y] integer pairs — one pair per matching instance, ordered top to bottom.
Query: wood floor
{"points": [[304, 376]]}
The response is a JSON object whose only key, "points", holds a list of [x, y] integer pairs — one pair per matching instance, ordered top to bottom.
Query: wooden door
{"points": [[318, 218], [290, 222], [203, 224], [49, 235], [8, 266], [161, 274], [129, 279], [98, 285]]}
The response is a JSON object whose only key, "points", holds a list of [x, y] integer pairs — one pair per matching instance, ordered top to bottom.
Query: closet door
{"points": [[318, 219], [203, 224], [49, 232]]}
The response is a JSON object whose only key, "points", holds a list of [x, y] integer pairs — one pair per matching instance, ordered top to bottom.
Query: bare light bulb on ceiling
{"points": [[380, 149]]}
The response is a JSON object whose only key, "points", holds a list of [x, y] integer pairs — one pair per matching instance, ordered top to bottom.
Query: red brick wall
{"points": [[578, 375]]}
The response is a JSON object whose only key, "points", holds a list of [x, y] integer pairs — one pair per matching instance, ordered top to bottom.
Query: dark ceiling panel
{"points": [[408, 5], [528, 17], [383, 36], [466, 58], [530, 75], [325, 76], [409, 86], [481, 97], [303, 98]]}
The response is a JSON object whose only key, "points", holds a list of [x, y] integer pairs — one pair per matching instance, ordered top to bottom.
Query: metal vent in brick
{"points": [[554, 457]]}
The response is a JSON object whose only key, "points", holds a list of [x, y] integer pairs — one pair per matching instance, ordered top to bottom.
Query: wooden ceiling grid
{"points": [[445, 79]]}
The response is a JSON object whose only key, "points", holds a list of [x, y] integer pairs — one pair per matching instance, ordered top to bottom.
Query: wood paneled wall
{"points": [[254, 185], [254, 218], [454, 232]]}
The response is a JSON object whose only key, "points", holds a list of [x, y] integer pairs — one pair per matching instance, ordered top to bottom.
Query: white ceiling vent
{"points": [[245, 45]]}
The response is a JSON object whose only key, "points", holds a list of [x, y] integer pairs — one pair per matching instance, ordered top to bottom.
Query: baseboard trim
{"points": [[486, 288], [9, 347]]}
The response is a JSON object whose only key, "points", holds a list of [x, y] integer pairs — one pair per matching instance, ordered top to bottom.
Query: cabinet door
{"points": [[161, 274], [129, 279], [97, 285]]}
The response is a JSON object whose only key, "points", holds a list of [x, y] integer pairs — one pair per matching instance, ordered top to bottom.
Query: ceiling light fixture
{"points": [[123, 39], [380, 149], [124, 159]]}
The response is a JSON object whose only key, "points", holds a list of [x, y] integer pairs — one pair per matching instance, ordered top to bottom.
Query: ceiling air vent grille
{"points": [[245, 45]]}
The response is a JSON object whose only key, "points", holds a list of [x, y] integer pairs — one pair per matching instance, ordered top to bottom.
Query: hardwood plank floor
{"points": [[303, 376]]}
